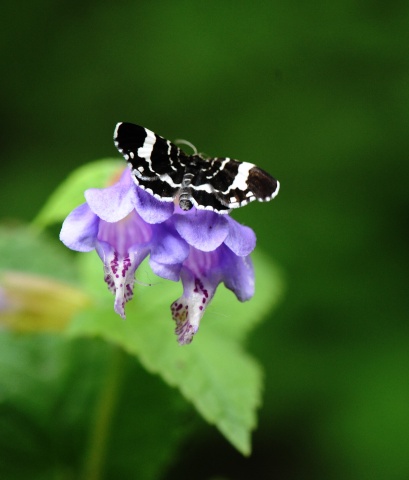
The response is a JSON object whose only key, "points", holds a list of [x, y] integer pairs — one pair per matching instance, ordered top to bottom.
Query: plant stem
{"points": [[105, 409]]}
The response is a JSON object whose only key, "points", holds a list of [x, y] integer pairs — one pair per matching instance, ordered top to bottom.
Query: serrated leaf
{"points": [[70, 194], [222, 381]]}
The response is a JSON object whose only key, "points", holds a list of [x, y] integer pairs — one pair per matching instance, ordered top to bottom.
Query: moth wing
{"points": [[150, 156], [238, 183]]}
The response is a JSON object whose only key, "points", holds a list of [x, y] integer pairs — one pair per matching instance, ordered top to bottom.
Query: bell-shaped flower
{"points": [[124, 224], [219, 252]]}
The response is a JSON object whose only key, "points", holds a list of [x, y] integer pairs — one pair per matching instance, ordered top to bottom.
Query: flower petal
{"points": [[115, 202], [151, 209], [202, 229], [79, 230], [129, 231], [241, 239], [167, 245], [168, 252], [167, 271], [119, 272], [238, 274], [188, 310]]}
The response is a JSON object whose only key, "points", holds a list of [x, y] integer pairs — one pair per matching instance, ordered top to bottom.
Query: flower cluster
{"points": [[125, 224]]}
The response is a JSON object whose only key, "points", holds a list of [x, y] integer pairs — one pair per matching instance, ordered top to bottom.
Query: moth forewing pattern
{"points": [[164, 170]]}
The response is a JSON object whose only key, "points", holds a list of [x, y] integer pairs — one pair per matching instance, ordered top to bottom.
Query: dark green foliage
{"points": [[317, 94]]}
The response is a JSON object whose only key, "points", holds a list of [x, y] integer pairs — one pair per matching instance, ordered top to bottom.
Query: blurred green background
{"points": [[318, 95]]}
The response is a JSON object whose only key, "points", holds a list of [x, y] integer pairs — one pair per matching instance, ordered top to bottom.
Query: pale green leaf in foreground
{"points": [[70, 193], [222, 381]]}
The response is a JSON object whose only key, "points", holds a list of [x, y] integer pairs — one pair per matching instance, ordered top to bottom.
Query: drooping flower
{"points": [[124, 224], [219, 252]]}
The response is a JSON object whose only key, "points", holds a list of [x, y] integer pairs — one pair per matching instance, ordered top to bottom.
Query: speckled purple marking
{"points": [[114, 264], [126, 265]]}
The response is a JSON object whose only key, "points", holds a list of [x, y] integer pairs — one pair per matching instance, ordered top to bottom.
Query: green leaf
{"points": [[70, 194], [24, 249], [38, 282], [222, 381], [60, 399]]}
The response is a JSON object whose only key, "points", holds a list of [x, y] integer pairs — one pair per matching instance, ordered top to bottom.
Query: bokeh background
{"points": [[318, 95]]}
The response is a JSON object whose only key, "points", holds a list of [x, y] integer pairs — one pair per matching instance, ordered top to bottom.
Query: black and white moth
{"points": [[164, 170]]}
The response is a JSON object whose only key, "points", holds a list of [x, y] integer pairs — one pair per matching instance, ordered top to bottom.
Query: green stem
{"points": [[105, 409]]}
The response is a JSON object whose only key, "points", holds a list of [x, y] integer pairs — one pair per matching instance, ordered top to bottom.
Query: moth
{"points": [[168, 173]]}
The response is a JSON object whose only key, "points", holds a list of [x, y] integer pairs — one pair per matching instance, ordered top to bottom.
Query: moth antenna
{"points": [[185, 142], [143, 284]]}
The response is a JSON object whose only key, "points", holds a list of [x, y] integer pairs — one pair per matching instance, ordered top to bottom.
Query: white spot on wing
{"points": [[116, 129], [146, 150], [224, 163], [166, 178], [240, 181], [206, 187], [276, 191]]}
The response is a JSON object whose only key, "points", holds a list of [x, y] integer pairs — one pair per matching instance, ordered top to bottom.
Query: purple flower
{"points": [[124, 225], [219, 252]]}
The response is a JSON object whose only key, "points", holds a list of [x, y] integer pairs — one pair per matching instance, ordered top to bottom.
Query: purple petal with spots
{"points": [[115, 202], [202, 229], [79, 230], [130, 231], [241, 239], [202, 248], [119, 270], [201, 273], [200, 276], [188, 310]]}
